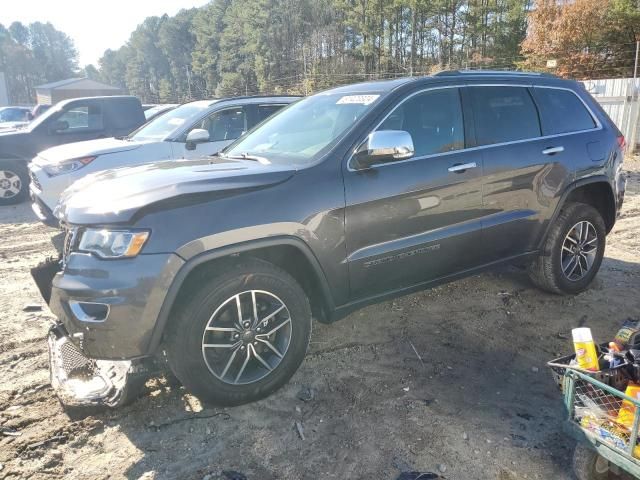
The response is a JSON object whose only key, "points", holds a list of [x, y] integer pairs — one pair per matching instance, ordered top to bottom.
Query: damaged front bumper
{"points": [[82, 381]]}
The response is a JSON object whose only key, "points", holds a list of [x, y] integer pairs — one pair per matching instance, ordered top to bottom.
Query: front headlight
{"points": [[67, 166], [113, 243]]}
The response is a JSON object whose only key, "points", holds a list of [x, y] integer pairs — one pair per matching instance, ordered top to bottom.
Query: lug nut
{"points": [[246, 324], [258, 329], [236, 335], [255, 343], [243, 348]]}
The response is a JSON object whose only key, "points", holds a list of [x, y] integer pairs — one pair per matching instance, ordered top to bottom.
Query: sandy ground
{"points": [[480, 404]]}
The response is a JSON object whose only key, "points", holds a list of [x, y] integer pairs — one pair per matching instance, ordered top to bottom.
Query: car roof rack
{"points": [[515, 73]]}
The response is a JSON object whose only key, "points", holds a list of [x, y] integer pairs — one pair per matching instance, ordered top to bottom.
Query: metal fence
{"points": [[619, 98]]}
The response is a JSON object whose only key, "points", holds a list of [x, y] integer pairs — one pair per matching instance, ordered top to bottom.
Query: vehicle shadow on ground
{"points": [[21, 213], [451, 378]]}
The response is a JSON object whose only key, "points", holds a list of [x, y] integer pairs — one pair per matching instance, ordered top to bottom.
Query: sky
{"points": [[93, 25]]}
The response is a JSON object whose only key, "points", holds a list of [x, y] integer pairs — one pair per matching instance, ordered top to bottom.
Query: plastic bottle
{"points": [[586, 353]]}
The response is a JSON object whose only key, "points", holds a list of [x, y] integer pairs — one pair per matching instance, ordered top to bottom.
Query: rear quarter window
{"points": [[561, 111], [503, 114]]}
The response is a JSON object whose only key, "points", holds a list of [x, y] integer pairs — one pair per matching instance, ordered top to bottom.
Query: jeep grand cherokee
{"points": [[341, 199]]}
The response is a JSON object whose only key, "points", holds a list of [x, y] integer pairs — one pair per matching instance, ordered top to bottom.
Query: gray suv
{"points": [[344, 198]]}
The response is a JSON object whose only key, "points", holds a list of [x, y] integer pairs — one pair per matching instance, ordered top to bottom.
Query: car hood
{"points": [[88, 148], [115, 196]]}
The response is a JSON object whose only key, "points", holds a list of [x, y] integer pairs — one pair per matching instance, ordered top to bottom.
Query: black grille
{"points": [[35, 181], [74, 362]]}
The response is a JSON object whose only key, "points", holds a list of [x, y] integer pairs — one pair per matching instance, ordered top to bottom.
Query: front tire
{"points": [[14, 182], [572, 252], [241, 335]]}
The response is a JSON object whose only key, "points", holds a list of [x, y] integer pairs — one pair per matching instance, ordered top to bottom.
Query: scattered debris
{"points": [[32, 307], [416, 352], [535, 369], [406, 389], [307, 394], [526, 416], [191, 417], [300, 430], [10, 432], [465, 436], [55, 438], [442, 467], [233, 475], [418, 476]]}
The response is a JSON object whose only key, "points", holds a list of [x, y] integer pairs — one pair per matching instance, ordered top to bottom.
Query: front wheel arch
{"points": [[312, 278]]}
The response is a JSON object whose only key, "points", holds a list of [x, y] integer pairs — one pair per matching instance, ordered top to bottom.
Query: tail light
{"points": [[622, 143]]}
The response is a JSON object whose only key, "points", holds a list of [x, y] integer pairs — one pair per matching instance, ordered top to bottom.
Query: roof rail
{"points": [[451, 73], [243, 97]]}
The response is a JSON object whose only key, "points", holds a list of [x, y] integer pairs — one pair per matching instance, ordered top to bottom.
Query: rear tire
{"points": [[14, 182], [572, 252], [227, 346], [588, 465]]}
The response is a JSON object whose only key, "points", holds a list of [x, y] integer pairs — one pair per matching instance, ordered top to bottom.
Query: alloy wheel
{"points": [[10, 184], [579, 250], [247, 337]]}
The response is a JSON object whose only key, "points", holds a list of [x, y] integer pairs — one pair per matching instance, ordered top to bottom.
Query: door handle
{"points": [[552, 150], [461, 167]]}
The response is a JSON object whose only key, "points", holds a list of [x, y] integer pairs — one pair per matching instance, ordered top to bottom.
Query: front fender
{"points": [[225, 251]]}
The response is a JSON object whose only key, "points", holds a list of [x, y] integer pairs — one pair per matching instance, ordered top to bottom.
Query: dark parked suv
{"points": [[68, 121], [343, 198]]}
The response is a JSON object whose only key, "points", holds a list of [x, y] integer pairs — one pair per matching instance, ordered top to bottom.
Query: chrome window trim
{"points": [[480, 147]]}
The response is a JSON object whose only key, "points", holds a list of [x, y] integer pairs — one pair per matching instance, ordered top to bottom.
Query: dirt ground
{"points": [[479, 405]]}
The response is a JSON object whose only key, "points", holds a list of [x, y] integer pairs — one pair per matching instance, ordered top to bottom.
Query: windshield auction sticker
{"points": [[357, 99]]}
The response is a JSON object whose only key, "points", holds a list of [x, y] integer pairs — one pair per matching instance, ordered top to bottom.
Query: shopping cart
{"points": [[603, 420]]}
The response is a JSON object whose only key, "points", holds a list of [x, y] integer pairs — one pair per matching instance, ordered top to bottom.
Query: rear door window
{"points": [[265, 111], [561, 111], [503, 114], [82, 117], [434, 120]]}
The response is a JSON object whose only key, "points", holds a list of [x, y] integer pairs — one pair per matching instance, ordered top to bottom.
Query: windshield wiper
{"points": [[247, 156]]}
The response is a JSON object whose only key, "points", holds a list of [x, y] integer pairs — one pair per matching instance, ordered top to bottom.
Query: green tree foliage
{"points": [[586, 38], [233, 47], [34, 54]]}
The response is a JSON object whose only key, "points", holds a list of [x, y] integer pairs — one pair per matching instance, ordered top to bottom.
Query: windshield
{"points": [[153, 111], [165, 125], [303, 132]]}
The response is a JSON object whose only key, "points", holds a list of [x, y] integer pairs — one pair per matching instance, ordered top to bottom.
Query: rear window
{"points": [[561, 111], [503, 114]]}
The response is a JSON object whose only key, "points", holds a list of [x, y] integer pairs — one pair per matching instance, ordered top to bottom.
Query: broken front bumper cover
{"points": [[82, 381]]}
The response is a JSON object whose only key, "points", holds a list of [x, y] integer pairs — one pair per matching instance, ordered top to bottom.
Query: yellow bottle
{"points": [[586, 353], [627, 411]]}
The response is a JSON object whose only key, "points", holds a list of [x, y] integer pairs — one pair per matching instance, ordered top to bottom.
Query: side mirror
{"points": [[59, 126], [196, 136], [384, 146]]}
